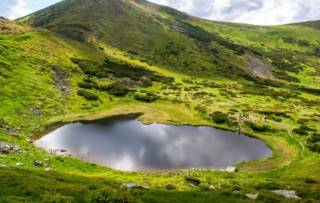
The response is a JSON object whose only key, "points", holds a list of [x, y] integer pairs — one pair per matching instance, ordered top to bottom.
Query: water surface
{"points": [[128, 145]]}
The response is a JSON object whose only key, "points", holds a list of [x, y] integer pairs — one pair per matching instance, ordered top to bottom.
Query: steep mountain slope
{"points": [[163, 36], [90, 59]]}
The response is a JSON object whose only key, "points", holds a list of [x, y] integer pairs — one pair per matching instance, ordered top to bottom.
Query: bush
{"points": [[317, 51], [117, 90], [87, 95], [148, 97], [219, 117], [258, 128], [303, 130], [314, 138], [109, 196]]}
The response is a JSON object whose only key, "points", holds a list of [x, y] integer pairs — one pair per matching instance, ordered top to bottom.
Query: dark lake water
{"points": [[128, 145]]}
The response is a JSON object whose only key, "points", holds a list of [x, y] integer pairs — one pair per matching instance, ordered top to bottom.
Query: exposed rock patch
{"points": [[257, 67], [61, 79], [6, 148], [290, 194]]}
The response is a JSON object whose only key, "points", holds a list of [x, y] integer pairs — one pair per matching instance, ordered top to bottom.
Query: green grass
{"points": [[31, 99]]}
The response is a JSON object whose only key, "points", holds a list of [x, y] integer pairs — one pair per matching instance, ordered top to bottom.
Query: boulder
{"points": [[6, 148], [37, 163], [19, 164], [231, 169], [135, 186], [290, 194], [252, 196]]}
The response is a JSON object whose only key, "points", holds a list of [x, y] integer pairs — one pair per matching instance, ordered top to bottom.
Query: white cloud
{"points": [[13, 8], [265, 12]]}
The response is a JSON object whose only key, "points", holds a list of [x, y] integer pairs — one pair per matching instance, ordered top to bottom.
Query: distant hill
{"points": [[164, 36]]}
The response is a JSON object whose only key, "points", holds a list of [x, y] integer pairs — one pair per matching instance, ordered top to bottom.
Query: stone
{"points": [[6, 148], [37, 163], [19, 164], [3, 166], [231, 169], [135, 186], [290, 194], [252, 196]]}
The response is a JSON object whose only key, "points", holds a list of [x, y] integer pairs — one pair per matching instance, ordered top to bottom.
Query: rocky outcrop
{"points": [[258, 67], [6, 148], [290, 194]]}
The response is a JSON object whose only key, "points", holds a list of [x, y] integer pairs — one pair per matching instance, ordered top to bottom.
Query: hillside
{"points": [[66, 63]]}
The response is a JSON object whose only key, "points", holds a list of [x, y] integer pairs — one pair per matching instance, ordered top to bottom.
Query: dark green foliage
{"points": [[196, 32], [289, 40], [300, 42], [317, 51], [120, 70], [285, 76], [88, 84], [116, 89], [309, 90], [267, 91], [88, 95], [148, 97], [201, 109], [274, 113], [219, 117], [258, 128], [303, 130], [314, 138], [314, 142], [193, 180], [310, 181], [268, 186], [170, 187], [110, 196]]}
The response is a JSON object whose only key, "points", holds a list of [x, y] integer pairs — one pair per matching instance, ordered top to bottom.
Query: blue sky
{"points": [[263, 12]]}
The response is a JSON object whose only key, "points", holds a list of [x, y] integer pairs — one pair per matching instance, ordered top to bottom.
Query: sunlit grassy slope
{"points": [[67, 63]]}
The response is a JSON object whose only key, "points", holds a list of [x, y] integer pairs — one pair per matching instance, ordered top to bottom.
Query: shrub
{"points": [[317, 51], [87, 84], [117, 89], [88, 95], [148, 97], [201, 109], [219, 117], [258, 128], [303, 130], [193, 180], [170, 187], [109, 196]]}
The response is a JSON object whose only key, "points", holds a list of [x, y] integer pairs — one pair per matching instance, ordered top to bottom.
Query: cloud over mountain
{"points": [[265, 12]]}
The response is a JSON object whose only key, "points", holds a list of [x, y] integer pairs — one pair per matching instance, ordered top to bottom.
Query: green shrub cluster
{"points": [[121, 70], [88, 84], [116, 89], [88, 95], [146, 97], [219, 117], [258, 128], [303, 130], [314, 142], [109, 196]]}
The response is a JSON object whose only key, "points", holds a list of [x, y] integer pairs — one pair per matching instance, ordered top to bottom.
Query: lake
{"points": [[127, 144]]}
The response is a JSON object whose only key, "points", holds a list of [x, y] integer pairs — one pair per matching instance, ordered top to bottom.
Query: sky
{"points": [[261, 12]]}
